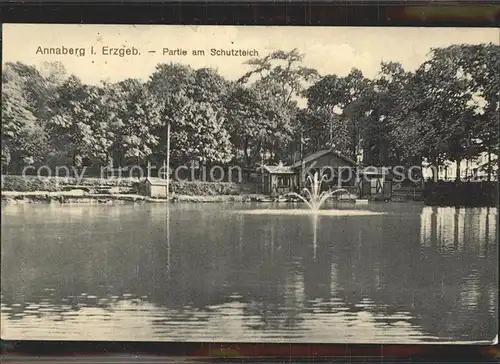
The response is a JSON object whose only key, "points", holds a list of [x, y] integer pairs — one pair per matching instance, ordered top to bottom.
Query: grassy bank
{"points": [[119, 185], [28, 189], [80, 197]]}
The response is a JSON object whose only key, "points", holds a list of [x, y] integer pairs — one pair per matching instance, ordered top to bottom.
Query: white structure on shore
{"points": [[475, 169]]}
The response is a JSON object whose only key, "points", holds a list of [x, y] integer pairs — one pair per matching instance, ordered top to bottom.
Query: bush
{"points": [[96, 182], [29, 184], [53, 184], [205, 188], [461, 194]]}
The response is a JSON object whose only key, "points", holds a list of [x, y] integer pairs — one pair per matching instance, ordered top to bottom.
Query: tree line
{"points": [[446, 109]]}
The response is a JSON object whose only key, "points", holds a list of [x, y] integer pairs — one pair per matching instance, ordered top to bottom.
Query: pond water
{"points": [[402, 273]]}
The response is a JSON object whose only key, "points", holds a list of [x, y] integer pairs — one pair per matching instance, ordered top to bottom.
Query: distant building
{"points": [[476, 168]]}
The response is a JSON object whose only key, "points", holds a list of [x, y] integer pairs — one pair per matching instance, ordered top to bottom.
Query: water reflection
{"points": [[451, 229], [208, 273]]}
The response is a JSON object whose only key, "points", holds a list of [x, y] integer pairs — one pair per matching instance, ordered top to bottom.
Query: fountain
{"points": [[316, 197]]}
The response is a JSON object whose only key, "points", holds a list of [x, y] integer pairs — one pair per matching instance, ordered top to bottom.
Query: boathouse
{"points": [[280, 179], [156, 187]]}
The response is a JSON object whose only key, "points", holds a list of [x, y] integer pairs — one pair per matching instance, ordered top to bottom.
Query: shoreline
{"points": [[78, 197], [81, 197]]}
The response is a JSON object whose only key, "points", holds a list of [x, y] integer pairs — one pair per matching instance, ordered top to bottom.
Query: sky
{"points": [[330, 50]]}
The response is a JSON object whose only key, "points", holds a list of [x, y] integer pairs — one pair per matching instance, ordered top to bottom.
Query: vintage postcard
{"points": [[249, 184]]}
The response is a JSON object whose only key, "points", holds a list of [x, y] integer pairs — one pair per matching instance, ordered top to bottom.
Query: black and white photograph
{"points": [[249, 184]]}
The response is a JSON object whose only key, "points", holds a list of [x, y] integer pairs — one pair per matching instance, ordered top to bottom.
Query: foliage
{"points": [[480, 64], [283, 71], [275, 83], [344, 101], [193, 103], [446, 109], [439, 112], [135, 118], [257, 121], [83, 122], [321, 129], [200, 135], [23, 136], [29, 184], [53, 184], [205, 188], [464, 194]]}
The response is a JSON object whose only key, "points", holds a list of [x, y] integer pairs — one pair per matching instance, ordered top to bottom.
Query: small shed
{"points": [[278, 179], [375, 181], [156, 187]]}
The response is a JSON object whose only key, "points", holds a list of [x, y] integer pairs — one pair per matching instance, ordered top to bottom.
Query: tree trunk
{"points": [[355, 141], [330, 142], [256, 152], [246, 154], [458, 161], [74, 163], [489, 165]]}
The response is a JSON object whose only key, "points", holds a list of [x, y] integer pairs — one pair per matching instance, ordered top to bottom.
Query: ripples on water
{"points": [[306, 211], [402, 273]]}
